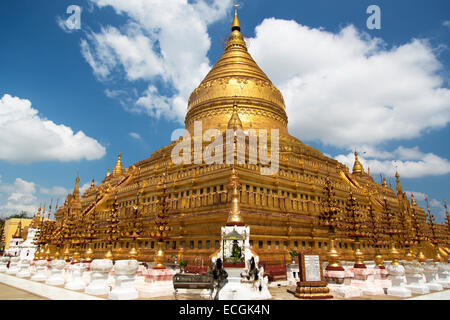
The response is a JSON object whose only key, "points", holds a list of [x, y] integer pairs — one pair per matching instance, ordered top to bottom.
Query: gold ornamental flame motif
{"points": [[236, 78], [234, 217]]}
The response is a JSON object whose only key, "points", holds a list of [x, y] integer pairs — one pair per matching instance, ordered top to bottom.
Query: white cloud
{"points": [[446, 23], [162, 42], [348, 89], [135, 135], [26, 137], [410, 162], [84, 187], [54, 191], [20, 196], [436, 206]]}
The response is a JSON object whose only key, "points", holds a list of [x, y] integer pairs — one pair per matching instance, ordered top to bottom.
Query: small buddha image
{"points": [[236, 251]]}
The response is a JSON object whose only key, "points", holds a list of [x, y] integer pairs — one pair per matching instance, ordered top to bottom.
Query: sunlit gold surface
{"points": [[237, 78], [282, 210], [88, 254], [108, 254], [133, 254], [394, 255], [359, 256], [159, 257]]}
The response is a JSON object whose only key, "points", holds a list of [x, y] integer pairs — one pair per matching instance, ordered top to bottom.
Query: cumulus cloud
{"points": [[446, 23], [163, 42], [347, 89], [26, 137], [409, 162], [84, 187], [54, 191], [28, 196], [17, 197]]}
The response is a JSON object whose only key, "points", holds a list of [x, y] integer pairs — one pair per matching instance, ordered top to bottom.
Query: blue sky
{"points": [[100, 80]]}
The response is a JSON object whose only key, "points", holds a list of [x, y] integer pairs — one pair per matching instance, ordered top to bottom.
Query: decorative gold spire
{"points": [[236, 25], [236, 77], [235, 122], [357, 166], [118, 169], [368, 172], [92, 183], [384, 184], [399, 185], [76, 189], [413, 201], [234, 217], [36, 219], [18, 233]]}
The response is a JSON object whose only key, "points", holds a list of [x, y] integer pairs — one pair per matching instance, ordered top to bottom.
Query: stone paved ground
{"points": [[11, 293]]}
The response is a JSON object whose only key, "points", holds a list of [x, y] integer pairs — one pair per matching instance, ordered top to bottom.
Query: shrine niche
{"points": [[233, 247]]}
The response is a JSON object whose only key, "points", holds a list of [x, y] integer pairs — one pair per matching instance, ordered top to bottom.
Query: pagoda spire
{"points": [[236, 24], [357, 166], [118, 169], [384, 183], [399, 185], [76, 189], [413, 200], [234, 216], [36, 218], [17, 234]]}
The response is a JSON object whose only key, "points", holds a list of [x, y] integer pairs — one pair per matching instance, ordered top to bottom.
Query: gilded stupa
{"points": [[281, 209]]}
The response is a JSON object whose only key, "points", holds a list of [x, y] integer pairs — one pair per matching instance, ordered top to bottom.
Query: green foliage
{"points": [[21, 215], [293, 253], [183, 263]]}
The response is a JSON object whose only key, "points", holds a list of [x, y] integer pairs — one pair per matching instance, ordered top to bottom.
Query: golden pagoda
{"points": [[282, 209]]}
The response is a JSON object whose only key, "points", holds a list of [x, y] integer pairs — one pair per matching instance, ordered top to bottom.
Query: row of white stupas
{"points": [[127, 279]]}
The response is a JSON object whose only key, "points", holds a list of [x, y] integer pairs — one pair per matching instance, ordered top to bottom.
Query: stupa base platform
{"points": [[444, 283], [435, 286], [371, 287], [418, 288], [155, 289], [236, 289], [43, 290], [344, 291], [402, 292]]}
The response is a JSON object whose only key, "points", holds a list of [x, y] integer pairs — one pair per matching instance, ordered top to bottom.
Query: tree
{"points": [[21, 215]]}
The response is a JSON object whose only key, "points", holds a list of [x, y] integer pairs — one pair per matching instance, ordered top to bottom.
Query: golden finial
{"points": [[236, 25], [357, 166], [118, 169], [368, 172], [384, 184], [399, 185], [76, 189], [413, 201], [234, 216], [17, 234]]}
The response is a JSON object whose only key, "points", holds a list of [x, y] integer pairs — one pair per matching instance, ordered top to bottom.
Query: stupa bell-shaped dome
{"points": [[236, 78]]}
